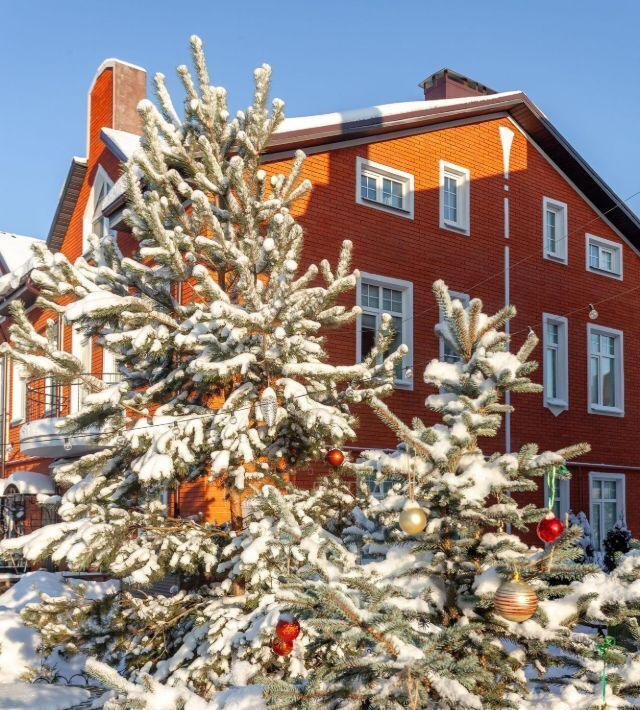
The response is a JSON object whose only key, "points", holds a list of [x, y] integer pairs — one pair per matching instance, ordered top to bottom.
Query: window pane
{"points": [[368, 187], [392, 193], [450, 194], [551, 231], [606, 259], [594, 260], [370, 296], [391, 300], [396, 322], [553, 330], [368, 333], [594, 343], [551, 372], [608, 381], [595, 395], [596, 489], [609, 490], [610, 516], [595, 526]]}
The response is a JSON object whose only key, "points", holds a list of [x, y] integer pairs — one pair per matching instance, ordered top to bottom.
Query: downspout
{"points": [[506, 140]]}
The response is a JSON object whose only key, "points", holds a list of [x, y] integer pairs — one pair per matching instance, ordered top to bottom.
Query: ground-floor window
{"points": [[606, 502]]}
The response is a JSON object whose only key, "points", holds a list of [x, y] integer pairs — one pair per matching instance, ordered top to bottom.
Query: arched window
{"points": [[94, 221]]}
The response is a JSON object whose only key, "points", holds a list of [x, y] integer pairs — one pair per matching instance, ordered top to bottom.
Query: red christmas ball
{"points": [[335, 457], [550, 528], [287, 630], [281, 647]]}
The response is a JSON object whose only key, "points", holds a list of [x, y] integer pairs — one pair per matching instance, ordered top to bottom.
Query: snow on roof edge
{"points": [[381, 111]]}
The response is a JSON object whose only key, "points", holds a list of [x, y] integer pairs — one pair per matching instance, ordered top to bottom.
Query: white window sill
{"points": [[397, 211], [455, 227], [556, 258], [604, 272], [402, 384], [556, 406], [606, 411], [15, 422]]}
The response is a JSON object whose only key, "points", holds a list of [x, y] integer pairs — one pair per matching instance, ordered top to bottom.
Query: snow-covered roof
{"points": [[303, 123], [121, 143], [15, 249], [16, 258], [28, 482]]}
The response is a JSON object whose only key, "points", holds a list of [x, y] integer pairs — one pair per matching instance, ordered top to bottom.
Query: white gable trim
{"points": [[573, 185]]}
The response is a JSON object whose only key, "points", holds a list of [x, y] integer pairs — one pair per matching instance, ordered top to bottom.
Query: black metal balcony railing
{"points": [[47, 399]]}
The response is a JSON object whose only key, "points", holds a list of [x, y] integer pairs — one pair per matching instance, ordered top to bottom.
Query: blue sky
{"points": [[578, 60]]}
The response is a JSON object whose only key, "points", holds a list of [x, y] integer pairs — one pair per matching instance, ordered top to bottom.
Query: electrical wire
{"points": [[409, 318]]}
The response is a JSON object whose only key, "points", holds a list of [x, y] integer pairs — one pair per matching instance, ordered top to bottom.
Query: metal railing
{"points": [[47, 399]]}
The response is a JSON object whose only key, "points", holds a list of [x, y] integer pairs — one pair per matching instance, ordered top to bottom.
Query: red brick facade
{"points": [[418, 250]]}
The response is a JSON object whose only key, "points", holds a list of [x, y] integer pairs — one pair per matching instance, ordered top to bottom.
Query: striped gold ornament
{"points": [[515, 600]]}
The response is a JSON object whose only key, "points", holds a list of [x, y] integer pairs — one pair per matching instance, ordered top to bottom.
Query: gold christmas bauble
{"points": [[413, 520], [515, 600]]}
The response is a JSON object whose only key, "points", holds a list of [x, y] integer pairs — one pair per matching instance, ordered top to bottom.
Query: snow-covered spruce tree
{"points": [[231, 382], [408, 620]]}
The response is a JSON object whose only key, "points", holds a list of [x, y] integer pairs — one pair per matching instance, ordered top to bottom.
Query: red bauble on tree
{"points": [[335, 457], [550, 528], [287, 630], [281, 647]]}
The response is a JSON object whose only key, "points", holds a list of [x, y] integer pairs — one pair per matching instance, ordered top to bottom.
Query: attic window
{"points": [[384, 188], [95, 222]]}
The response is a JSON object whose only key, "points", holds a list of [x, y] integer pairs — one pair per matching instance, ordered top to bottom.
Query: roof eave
{"points": [[66, 203]]}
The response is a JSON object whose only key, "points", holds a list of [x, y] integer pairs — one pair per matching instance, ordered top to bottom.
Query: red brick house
{"points": [[466, 184]]}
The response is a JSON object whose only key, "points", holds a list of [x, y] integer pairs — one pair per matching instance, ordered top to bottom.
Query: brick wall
{"points": [[420, 251]]}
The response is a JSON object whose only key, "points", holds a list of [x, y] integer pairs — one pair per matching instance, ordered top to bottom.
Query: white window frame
{"points": [[364, 166], [462, 176], [101, 177], [561, 210], [608, 245], [406, 287], [465, 299], [81, 348], [110, 366], [18, 393], [560, 403], [617, 411], [563, 499], [621, 501]]}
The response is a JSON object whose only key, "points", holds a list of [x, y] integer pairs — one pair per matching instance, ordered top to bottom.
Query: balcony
{"points": [[47, 405]]}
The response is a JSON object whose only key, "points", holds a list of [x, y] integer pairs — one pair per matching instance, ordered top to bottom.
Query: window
{"points": [[384, 188], [454, 197], [94, 221], [554, 228], [604, 257], [377, 295], [81, 348], [448, 352], [555, 363], [606, 368], [110, 371], [18, 392], [52, 395], [380, 489], [607, 496]]}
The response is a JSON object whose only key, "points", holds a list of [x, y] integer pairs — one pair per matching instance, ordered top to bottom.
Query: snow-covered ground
{"points": [[19, 648]]}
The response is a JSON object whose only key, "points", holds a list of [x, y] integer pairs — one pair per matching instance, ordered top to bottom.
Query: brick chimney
{"points": [[448, 84], [115, 92]]}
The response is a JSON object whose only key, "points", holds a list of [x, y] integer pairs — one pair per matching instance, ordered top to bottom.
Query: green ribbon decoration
{"points": [[551, 476], [551, 487], [602, 649]]}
